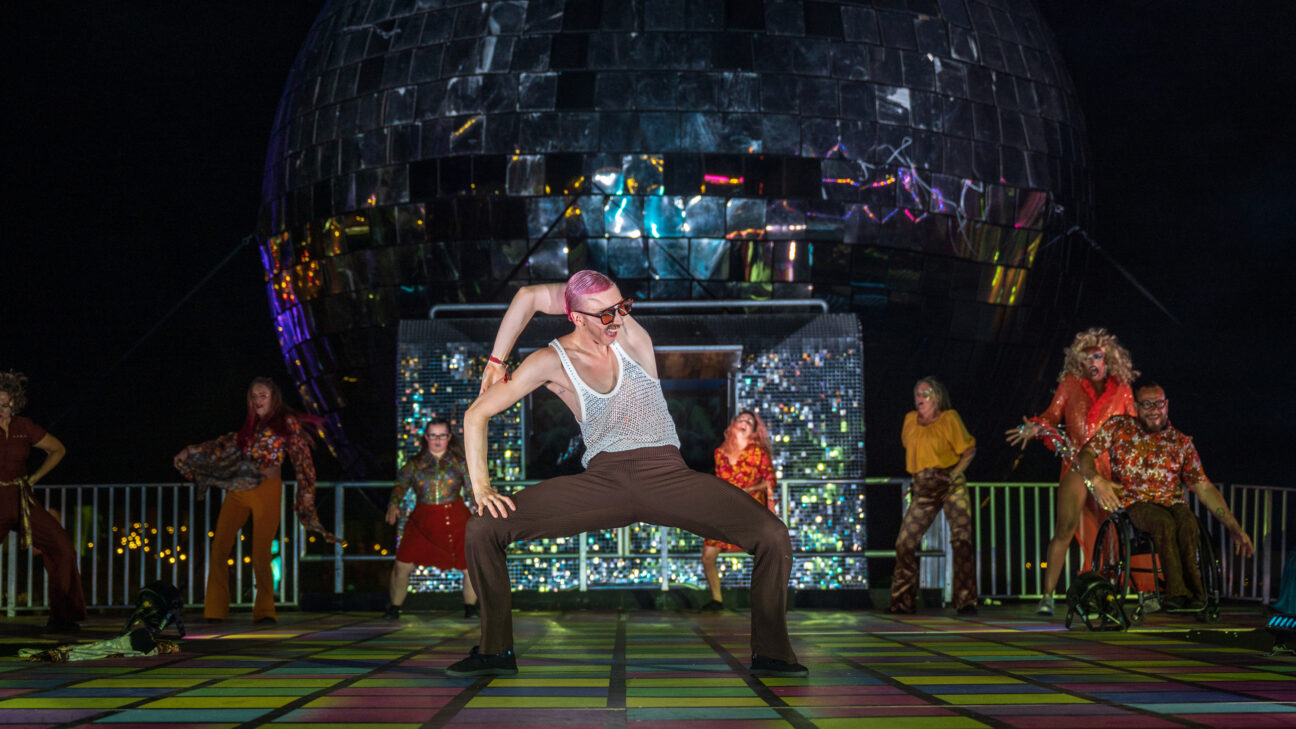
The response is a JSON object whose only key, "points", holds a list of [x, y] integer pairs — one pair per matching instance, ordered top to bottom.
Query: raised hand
{"points": [[1022, 434]]}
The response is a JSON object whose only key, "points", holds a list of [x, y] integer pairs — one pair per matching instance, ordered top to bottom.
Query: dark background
{"points": [[137, 169]]}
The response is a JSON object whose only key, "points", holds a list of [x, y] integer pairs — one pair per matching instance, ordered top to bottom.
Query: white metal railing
{"points": [[129, 535]]}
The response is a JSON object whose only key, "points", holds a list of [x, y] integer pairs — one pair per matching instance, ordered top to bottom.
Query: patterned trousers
{"points": [[932, 491]]}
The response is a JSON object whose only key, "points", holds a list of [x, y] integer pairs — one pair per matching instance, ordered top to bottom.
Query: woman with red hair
{"points": [[271, 431], [745, 459]]}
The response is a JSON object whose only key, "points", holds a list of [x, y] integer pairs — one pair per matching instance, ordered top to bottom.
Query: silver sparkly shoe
{"points": [[1045, 606]]}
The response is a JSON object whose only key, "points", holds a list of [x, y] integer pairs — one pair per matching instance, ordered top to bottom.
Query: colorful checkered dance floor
{"points": [[1003, 668]]}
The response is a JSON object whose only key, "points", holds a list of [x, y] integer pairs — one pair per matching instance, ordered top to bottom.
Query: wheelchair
{"points": [[1116, 558]]}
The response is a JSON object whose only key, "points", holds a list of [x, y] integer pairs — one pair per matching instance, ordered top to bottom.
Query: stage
{"points": [[1002, 668]]}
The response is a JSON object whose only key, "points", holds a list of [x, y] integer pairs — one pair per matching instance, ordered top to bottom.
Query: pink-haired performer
{"points": [[605, 370]]}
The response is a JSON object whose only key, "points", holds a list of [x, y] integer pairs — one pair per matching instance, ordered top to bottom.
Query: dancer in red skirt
{"points": [[434, 533]]}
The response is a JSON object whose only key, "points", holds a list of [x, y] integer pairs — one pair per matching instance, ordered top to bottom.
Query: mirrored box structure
{"points": [[917, 163], [802, 372]]}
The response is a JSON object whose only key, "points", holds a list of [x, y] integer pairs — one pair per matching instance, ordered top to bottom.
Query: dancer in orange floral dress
{"points": [[745, 459]]}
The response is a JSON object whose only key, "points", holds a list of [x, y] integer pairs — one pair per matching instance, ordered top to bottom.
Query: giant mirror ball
{"points": [[917, 162]]}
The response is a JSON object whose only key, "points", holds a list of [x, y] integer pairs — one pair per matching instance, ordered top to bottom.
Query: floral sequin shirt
{"points": [[266, 449], [753, 466], [1151, 467], [427, 479]]}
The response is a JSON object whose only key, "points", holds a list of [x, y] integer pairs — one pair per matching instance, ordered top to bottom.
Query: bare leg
{"points": [[1071, 495], [712, 571], [398, 586]]}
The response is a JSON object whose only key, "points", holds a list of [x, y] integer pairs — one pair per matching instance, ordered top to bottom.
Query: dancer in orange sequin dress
{"points": [[1093, 386]]}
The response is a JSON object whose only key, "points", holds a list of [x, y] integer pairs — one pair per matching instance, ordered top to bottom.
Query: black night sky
{"points": [[137, 169]]}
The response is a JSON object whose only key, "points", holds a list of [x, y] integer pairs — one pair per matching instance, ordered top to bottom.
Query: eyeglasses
{"points": [[608, 315], [925, 393], [1152, 404], [437, 436]]}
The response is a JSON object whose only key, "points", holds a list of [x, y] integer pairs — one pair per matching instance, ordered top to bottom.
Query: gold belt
{"points": [[25, 500]]}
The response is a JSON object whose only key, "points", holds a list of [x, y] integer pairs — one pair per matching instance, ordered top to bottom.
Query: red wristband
{"points": [[495, 360]]}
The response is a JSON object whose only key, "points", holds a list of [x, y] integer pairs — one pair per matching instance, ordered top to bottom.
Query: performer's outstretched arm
{"points": [[527, 302], [536, 370], [1213, 500]]}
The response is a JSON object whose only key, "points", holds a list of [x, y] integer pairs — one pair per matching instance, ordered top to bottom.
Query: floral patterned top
{"points": [[1084, 412], [267, 449], [753, 466], [1151, 467], [430, 480]]}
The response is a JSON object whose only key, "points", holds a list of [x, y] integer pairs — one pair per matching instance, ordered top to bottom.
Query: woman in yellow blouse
{"points": [[938, 449]]}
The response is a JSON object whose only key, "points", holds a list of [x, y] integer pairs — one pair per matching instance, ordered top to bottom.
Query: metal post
{"points": [[338, 494], [663, 536], [584, 563]]}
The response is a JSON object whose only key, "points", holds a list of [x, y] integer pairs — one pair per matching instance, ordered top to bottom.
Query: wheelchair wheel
{"points": [[1110, 559], [1212, 574]]}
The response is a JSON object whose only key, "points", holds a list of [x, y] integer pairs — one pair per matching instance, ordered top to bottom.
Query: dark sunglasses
{"points": [[608, 315]]}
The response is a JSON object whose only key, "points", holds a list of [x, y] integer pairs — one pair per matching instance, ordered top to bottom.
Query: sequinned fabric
{"points": [[636, 398], [1084, 412], [752, 466], [1151, 467], [432, 480]]}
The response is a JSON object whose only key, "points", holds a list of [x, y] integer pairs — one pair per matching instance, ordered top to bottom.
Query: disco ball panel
{"points": [[910, 162]]}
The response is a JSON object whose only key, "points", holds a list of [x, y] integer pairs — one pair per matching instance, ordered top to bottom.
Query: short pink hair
{"points": [[584, 283]]}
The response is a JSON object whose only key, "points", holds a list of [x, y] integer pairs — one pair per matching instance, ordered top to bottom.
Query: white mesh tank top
{"points": [[633, 415]]}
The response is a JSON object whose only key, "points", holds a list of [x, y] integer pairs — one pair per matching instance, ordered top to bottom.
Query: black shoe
{"points": [[1170, 604], [1195, 604], [714, 606], [471, 610], [894, 610], [967, 610], [392, 612], [267, 620], [213, 621], [55, 625], [480, 664], [763, 666]]}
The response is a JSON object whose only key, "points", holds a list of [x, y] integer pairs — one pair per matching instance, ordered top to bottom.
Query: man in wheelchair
{"points": [[1151, 464]]}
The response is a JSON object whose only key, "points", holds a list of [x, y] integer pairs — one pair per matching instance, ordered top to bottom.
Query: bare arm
{"points": [[527, 302], [535, 371], [54, 452], [964, 459], [1103, 490], [1214, 501]]}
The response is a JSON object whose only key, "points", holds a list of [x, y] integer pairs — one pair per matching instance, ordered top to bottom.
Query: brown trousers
{"points": [[650, 485], [931, 492], [264, 504], [1174, 531], [66, 599]]}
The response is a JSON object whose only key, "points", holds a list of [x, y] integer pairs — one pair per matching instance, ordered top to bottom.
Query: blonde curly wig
{"points": [[1116, 356]]}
